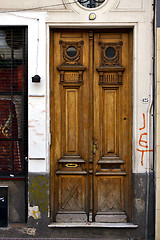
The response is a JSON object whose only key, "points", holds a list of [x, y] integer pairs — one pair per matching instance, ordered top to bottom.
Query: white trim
{"points": [[93, 225]]}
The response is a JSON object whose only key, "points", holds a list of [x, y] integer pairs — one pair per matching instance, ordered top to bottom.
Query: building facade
{"points": [[77, 118]]}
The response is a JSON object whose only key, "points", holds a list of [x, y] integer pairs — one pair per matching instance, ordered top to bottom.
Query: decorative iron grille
{"points": [[91, 3], [13, 99]]}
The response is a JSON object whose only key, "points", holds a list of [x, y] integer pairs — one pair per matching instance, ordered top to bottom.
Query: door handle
{"points": [[94, 148]]}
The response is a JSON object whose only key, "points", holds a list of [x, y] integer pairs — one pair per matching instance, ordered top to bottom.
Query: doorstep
{"points": [[93, 225]]}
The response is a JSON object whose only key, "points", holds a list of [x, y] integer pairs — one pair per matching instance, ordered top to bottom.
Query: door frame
{"points": [[132, 91]]}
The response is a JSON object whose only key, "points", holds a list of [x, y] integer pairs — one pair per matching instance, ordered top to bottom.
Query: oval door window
{"points": [[91, 3], [71, 51], [110, 52]]}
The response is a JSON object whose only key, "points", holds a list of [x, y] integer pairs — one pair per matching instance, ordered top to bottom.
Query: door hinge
{"points": [[50, 139]]}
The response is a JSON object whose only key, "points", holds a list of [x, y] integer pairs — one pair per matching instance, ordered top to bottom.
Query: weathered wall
{"points": [[41, 4], [113, 14], [38, 196], [39, 199], [16, 200], [39, 220]]}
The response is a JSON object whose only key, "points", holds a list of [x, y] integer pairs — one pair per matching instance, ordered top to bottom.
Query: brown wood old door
{"points": [[91, 125]]}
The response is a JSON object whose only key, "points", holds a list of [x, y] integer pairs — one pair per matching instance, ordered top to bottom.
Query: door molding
{"points": [[62, 69]]}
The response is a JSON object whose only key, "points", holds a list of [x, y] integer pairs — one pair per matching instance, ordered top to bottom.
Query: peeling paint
{"points": [[43, 111], [31, 126], [39, 134], [39, 193], [140, 205], [34, 212], [22, 230], [31, 231]]}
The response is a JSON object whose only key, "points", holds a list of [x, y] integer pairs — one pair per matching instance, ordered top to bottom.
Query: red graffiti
{"points": [[144, 122], [143, 142]]}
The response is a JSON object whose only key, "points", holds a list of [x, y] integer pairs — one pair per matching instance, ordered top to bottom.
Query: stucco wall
{"points": [[112, 14], [16, 200]]}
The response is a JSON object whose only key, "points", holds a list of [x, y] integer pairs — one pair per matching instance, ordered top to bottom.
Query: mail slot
{"points": [[3, 206]]}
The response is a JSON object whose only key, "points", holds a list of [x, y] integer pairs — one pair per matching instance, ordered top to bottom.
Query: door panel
{"points": [[91, 108], [71, 120], [70, 126], [110, 126], [71, 199]]}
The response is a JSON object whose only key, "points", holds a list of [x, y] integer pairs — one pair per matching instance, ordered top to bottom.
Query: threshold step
{"points": [[93, 225]]}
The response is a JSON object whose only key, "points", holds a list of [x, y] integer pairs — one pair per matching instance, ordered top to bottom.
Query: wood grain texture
{"points": [[71, 121], [70, 126], [110, 126], [91, 151], [71, 193], [109, 194]]}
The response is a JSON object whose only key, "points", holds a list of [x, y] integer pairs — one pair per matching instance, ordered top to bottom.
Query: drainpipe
{"points": [[149, 114], [154, 120]]}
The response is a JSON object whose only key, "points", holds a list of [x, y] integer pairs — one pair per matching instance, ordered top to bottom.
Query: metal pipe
{"points": [[154, 28], [151, 106]]}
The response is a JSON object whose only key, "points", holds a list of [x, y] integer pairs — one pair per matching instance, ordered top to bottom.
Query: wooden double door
{"points": [[91, 125]]}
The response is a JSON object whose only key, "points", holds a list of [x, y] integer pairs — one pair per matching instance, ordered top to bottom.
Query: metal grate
{"points": [[91, 3], [13, 99]]}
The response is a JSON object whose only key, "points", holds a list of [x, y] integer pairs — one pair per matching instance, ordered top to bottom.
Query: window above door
{"points": [[91, 3]]}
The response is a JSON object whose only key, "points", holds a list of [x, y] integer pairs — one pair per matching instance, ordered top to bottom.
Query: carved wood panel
{"points": [[111, 53], [73, 57], [110, 69], [70, 108], [91, 115], [71, 120], [111, 126], [111, 162], [71, 193], [109, 194]]}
